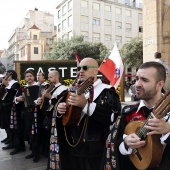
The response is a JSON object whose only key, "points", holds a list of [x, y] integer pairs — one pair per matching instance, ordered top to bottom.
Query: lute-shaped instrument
{"points": [[45, 101], [73, 113], [151, 154]]}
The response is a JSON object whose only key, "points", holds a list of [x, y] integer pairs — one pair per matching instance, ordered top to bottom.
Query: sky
{"points": [[12, 12]]}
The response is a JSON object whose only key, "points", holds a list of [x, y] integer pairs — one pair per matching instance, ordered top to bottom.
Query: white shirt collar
{"points": [[11, 83], [56, 85], [142, 104]]}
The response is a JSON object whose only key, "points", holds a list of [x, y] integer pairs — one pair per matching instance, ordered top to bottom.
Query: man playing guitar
{"points": [[150, 79], [86, 140]]}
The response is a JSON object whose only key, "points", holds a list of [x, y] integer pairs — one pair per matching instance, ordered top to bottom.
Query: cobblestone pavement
{"points": [[18, 161]]}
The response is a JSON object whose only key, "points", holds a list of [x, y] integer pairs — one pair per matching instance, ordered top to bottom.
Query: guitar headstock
{"points": [[84, 87], [50, 88]]}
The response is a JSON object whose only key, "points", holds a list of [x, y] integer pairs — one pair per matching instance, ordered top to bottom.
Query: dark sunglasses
{"points": [[85, 67]]}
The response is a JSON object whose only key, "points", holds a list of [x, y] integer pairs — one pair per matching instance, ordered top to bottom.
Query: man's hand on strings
{"points": [[77, 100], [157, 126], [133, 141]]}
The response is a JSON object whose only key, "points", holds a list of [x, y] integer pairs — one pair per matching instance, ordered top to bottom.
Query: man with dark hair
{"points": [[41, 78], [150, 79], [11, 86], [28, 113]]}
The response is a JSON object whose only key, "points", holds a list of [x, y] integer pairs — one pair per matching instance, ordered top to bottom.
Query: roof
{"points": [[34, 27]]}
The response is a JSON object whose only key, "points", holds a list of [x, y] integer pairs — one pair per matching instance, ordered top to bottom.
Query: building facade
{"points": [[106, 21], [156, 35], [32, 37]]}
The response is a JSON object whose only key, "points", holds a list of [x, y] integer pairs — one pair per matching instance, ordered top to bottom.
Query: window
{"points": [[127, 2], [84, 4], [70, 5], [140, 5], [96, 6], [107, 8], [64, 9], [118, 11], [59, 13], [128, 13], [140, 16], [84, 19], [70, 20], [96, 21], [107, 22], [64, 24], [118, 25], [59, 27], [128, 27], [140, 29], [70, 34], [85, 34], [96, 36], [35, 37], [64, 37], [108, 37], [128, 38], [118, 39], [35, 50], [129, 69]]}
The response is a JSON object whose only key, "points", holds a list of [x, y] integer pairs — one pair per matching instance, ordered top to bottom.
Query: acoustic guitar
{"points": [[45, 101], [73, 113], [150, 155]]}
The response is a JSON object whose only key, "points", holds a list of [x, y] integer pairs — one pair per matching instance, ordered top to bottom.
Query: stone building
{"points": [[106, 21], [156, 32], [32, 37]]}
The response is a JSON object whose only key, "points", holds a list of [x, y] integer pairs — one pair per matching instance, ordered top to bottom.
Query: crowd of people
{"points": [[26, 112], [29, 114], [84, 127]]}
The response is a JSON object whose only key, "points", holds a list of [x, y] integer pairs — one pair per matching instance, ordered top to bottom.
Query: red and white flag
{"points": [[77, 58], [112, 68]]}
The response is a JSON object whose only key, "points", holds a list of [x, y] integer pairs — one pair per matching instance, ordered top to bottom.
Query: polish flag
{"points": [[77, 58], [112, 68]]}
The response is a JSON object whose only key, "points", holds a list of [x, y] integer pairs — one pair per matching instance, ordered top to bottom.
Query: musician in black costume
{"points": [[41, 79], [150, 79], [11, 85], [2, 87], [52, 97], [28, 115], [17, 125], [86, 140]]}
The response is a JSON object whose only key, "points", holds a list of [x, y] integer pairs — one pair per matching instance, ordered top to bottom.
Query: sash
{"points": [[111, 159]]}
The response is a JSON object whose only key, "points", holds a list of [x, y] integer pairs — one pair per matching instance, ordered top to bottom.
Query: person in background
{"points": [[158, 58], [41, 79], [11, 86], [132, 91], [52, 95], [28, 116], [85, 141]]}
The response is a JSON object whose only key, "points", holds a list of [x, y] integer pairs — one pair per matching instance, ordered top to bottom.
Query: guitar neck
{"points": [[85, 86], [159, 111], [142, 133]]}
